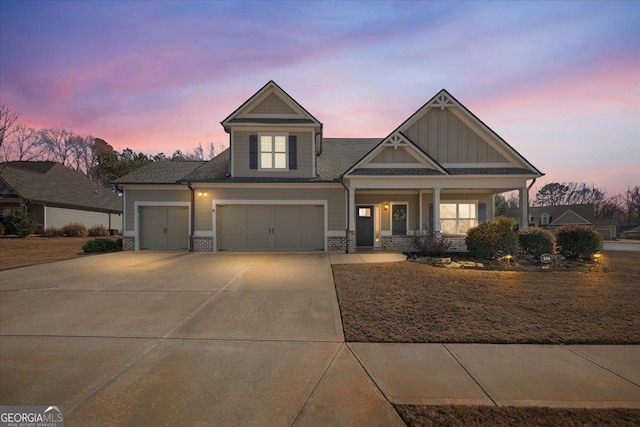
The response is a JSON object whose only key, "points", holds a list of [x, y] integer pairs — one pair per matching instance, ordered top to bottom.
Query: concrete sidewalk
{"points": [[365, 257], [576, 376]]}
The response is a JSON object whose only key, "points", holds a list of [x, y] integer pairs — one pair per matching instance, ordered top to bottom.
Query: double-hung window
{"points": [[273, 151], [458, 217]]}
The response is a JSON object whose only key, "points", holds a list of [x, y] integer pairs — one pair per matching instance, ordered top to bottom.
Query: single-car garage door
{"points": [[164, 227], [270, 228]]}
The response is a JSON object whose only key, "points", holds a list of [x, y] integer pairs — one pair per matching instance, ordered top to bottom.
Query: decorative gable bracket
{"points": [[441, 101], [396, 140]]}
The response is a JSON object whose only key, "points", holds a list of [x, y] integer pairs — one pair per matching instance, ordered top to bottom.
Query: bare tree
{"points": [[8, 119], [60, 144], [24, 145]]}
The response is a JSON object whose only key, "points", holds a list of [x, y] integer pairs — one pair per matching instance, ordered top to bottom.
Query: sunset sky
{"points": [[559, 81]]}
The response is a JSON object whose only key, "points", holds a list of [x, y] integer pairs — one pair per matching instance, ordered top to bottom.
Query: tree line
{"points": [[88, 155], [623, 207]]}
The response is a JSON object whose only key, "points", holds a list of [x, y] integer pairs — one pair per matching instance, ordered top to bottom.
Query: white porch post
{"points": [[524, 208], [352, 209], [436, 210], [420, 221]]}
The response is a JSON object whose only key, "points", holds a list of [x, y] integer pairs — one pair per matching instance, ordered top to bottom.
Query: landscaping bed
{"points": [[17, 252], [413, 302], [488, 416]]}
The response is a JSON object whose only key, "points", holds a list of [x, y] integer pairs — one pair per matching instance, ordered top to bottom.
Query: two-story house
{"points": [[281, 186]]}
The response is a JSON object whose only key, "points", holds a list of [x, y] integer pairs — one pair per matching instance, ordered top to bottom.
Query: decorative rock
{"points": [[425, 260], [442, 260], [467, 263], [451, 265], [479, 265]]}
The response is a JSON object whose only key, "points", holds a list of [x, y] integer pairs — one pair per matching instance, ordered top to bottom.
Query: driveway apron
{"points": [[189, 339]]}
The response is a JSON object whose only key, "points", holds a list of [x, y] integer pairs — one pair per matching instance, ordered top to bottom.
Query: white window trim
{"points": [[286, 151], [459, 202], [391, 204]]}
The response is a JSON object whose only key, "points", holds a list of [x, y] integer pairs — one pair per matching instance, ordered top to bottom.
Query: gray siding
{"points": [[272, 104], [448, 140], [392, 155], [305, 161], [178, 195], [381, 199], [335, 201], [59, 217]]}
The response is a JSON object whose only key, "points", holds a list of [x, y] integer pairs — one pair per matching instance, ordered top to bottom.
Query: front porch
{"points": [[383, 219]]}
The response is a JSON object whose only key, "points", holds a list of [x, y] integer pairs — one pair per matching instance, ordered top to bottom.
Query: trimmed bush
{"points": [[21, 223], [2, 229], [74, 230], [98, 231], [53, 232], [492, 240], [536, 241], [578, 241], [119, 242], [430, 244], [100, 245]]}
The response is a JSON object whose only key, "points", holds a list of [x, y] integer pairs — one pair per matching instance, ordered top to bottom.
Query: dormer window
{"points": [[273, 151], [544, 219]]}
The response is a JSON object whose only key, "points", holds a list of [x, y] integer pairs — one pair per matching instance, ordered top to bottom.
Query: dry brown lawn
{"points": [[16, 252], [412, 302], [490, 416]]}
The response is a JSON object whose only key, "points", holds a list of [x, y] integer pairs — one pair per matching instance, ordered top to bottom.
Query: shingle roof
{"points": [[339, 154], [215, 169], [163, 172], [395, 172], [55, 184]]}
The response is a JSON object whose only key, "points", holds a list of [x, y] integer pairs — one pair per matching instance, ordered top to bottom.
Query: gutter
{"points": [[193, 215], [346, 231]]}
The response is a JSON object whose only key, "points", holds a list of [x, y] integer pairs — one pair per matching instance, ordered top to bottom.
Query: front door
{"points": [[364, 226]]}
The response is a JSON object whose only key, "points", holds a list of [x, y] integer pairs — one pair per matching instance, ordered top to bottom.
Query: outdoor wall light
{"points": [[202, 193], [386, 206]]}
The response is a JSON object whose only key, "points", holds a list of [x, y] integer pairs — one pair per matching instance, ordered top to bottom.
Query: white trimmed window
{"points": [[273, 151], [458, 217], [544, 219]]}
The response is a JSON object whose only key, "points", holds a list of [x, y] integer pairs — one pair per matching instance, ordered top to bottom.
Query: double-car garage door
{"points": [[270, 228]]}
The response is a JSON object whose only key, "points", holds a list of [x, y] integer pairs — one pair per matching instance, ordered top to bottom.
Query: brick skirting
{"points": [[337, 243], [203, 244]]}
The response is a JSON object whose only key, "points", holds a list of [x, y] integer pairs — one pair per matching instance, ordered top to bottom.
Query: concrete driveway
{"points": [[188, 339]]}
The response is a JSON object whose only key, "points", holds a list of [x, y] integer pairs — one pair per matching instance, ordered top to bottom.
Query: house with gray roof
{"points": [[282, 186], [56, 196], [555, 217]]}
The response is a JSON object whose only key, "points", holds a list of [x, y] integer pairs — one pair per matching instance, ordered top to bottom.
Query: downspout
{"points": [[121, 191], [193, 215], [346, 231]]}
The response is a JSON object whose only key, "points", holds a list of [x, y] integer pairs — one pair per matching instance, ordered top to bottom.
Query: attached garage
{"points": [[164, 227], [246, 228]]}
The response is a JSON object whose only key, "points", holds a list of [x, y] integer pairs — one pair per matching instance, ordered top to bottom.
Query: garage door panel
{"points": [[232, 223], [164, 227], [177, 228]]}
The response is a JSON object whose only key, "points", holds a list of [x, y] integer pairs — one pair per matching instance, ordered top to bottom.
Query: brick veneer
{"points": [[351, 242], [128, 243], [337, 243], [203, 244]]}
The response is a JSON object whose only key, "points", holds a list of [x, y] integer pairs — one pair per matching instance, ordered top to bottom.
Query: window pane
{"points": [[265, 144], [280, 144], [280, 160], [265, 161], [448, 210], [463, 211], [472, 211], [364, 212], [465, 225], [448, 226]]}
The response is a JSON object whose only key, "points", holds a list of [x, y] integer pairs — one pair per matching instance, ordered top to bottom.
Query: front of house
{"points": [[281, 186]]}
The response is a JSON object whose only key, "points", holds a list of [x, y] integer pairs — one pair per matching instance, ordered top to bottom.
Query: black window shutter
{"points": [[253, 151], [293, 152], [482, 212], [431, 229]]}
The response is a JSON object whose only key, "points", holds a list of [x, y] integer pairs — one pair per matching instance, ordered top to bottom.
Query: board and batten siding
{"points": [[272, 104], [448, 139], [305, 148], [394, 155], [132, 196], [335, 197], [59, 217]]}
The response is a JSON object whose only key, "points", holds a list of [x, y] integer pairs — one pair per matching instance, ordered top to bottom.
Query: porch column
{"points": [[524, 208], [436, 211], [420, 221], [351, 234]]}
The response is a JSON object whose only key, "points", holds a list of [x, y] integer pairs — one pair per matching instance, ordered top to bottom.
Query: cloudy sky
{"points": [[560, 81]]}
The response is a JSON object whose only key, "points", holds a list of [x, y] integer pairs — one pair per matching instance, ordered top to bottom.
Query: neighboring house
{"points": [[281, 186], [56, 196], [554, 217], [630, 232]]}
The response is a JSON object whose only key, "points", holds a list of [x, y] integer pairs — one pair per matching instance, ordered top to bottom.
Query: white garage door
{"points": [[164, 227], [270, 228]]}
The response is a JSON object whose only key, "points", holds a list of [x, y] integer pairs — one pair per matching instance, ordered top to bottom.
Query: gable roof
{"points": [[269, 89], [444, 99], [162, 172], [54, 184], [570, 217]]}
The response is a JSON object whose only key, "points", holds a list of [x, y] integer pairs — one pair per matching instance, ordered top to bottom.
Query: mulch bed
{"points": [[412, 302], [489, 416]]}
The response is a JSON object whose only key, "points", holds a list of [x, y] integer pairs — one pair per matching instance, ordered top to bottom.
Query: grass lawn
{"points": [[16, 252], [413, 302], [487, 416]]}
